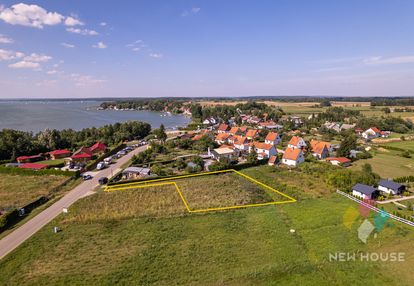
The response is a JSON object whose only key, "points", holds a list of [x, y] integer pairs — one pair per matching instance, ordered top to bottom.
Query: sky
{"points": [[171, 48]]}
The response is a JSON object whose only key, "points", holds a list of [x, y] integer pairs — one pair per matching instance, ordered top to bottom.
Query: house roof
{"points": [[267, 123], [223, 127], [243, 129], [375, 129], [234, 130], [251, 133], [222, 136], [272, 136], [197, 137], [239, 140], [295, 140], [98, 146], [263, 146], [319, 146], [83, 150], [222, 151], [59, 152], [292, 154], [80, 156], [28, 157], [272, 159], [339, 159], [33, 166], [136, 170], [390, 184], [364, 189]]}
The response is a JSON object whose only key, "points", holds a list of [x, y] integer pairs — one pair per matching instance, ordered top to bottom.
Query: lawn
{"points": [[402, 144], [51, 162], [388, 164], [17, 191], [125, 238]]}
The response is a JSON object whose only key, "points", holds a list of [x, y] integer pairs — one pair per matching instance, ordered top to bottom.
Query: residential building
{"points": [[210, 121], [223, 128], [234, 131], [374, 132], [252, 133], [222, 138], [272, 138], [297, 142], [98, 147], [264, 150], [225, 153], [59, 154], [293, 157], [29, 159], [272, 160], [339, 161], [33, 166], [135, 173], [390, 187], [365, 192]]}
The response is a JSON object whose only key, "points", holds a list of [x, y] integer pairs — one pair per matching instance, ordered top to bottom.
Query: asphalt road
{"points": [[18, 236]]}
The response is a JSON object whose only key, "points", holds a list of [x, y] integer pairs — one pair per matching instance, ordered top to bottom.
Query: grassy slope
{"points": [[402, 144], [388, 164], [16, 191], [249, 246]]}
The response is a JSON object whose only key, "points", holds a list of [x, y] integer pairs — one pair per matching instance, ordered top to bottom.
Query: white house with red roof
{"points": [[223, 128], [252, 133], [371, 133], [222, 138], [272, 138], [297, 142], [263, 150], [293, 157], [339, 161]]}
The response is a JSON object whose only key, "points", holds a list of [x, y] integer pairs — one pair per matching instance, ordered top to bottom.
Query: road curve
{"points": [[22, 233]]}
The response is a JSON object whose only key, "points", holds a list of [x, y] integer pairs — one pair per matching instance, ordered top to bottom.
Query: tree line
{"points": [[14, 143]]}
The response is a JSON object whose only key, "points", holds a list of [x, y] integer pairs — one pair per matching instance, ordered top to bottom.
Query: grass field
{"points": [[402, 144], [51, 162], [388, 164], [17, 191], [125, 238]]}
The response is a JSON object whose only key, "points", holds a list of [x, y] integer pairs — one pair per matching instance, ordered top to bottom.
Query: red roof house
{"points": [[98, 147], [58, 154], [29, 159], [33, 166]]}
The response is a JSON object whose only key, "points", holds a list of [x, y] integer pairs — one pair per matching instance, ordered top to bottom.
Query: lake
{"points": [[38, 115]]}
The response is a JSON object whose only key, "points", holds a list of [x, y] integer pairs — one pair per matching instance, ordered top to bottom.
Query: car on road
{"points": [[100, 166], [87, 177], [103, 181]]}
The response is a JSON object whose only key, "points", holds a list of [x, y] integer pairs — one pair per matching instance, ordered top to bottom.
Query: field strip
{"points": [[162, 182]]}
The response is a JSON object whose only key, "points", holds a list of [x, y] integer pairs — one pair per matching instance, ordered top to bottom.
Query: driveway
{"points": [[18, 236]]}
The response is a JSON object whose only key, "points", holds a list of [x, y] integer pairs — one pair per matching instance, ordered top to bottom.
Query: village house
{"points": [[210, 121], [269, 125], [332, 126], [223, 128], [243, 130], [234, 131], [252, 134], [222, 138], [272, 138], [297, 142], [241, 143], [315, 143], [98, 148], [264, 150], [225, 152], [320, 152], [59, 154], [293, 157], [29, 159], [272, 160], [339, 161], [33, 166], [131, 173], [390, 187], [365, 192]]}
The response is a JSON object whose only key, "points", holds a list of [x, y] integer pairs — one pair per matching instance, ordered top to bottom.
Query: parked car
{"points": [[108, 160], [100, 166], [87, 177], [103, 181]]}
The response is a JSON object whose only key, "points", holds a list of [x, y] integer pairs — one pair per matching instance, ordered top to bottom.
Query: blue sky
{"points": [[206, 48]]}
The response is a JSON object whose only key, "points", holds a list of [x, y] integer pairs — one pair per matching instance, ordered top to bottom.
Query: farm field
{"points": [[409, 145], [388, 164], [17, 191], [123, 238]]}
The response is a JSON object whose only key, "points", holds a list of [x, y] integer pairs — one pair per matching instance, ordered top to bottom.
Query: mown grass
{"points": [[409, 145], [388, 164], [17, 191], [252, 246]]}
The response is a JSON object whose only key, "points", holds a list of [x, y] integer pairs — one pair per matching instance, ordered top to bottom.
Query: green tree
{"points": [[348, 144], [252, 157]]}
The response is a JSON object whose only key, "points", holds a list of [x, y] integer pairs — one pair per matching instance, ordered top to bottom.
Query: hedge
{"points": [[28, 172], [404, 179]]}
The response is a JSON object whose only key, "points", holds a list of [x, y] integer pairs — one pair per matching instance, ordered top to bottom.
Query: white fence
{"points": [[410, 223]]}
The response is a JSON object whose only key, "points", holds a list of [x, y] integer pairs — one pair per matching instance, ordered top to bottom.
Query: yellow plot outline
{"points": [[146, 184]]}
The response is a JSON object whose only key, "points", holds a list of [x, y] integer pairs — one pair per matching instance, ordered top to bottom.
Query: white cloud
{"points": [[192, 11], [30, 15], [73, 21], [103, 24], [84, 32], [5, 40], [66, 45], [100, 45], [136, 49], [7, 55], [156, 55], [37, 58], [390, 60], [25, 65], [51, 72], [85, 80], [46, 83]]}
